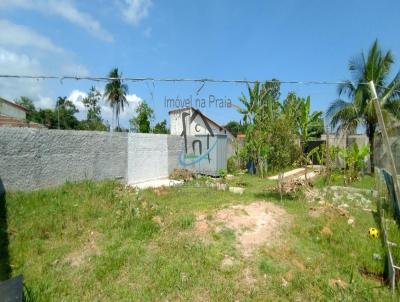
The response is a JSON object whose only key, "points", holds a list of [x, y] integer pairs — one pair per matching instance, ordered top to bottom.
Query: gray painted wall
{"points": [[38, 158]]}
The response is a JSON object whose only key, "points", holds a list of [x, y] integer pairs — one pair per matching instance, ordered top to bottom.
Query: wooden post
{"points": [[385, 137], [328, 158]]}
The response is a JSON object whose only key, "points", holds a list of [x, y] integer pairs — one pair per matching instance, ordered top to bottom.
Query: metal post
{"points": [[385, 137]]}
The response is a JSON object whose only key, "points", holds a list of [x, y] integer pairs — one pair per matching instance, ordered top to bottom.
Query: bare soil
{"points": [[254, 224], [78, 257]]}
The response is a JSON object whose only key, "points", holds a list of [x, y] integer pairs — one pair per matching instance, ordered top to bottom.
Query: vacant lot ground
{"points": [[101, 241]]}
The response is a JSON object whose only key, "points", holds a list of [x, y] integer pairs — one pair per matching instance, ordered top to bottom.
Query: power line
{"points": [[143, 79], [193, 80]]}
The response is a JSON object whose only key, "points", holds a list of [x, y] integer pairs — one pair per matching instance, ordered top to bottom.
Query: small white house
{"points": [[11, 109], [196, 123]]}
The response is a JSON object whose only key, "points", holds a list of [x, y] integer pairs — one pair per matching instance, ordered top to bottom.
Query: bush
{"points": [[232, 165]]}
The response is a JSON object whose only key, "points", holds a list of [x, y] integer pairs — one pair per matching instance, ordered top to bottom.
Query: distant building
{"points": [[11, 109], [14, 115], [196, 123]]}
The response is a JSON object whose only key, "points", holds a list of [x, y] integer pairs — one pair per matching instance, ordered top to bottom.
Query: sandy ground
{"points": [[254, 224]]}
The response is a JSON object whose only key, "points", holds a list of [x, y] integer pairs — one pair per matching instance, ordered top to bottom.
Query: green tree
{"points": [[115, 93], [91, 102], [290, 108], [259, 111], [65, 113], [144, 115], [348, 115], [47, 117], [93, 118], [235, 127], [161, 128], [281, 146]]}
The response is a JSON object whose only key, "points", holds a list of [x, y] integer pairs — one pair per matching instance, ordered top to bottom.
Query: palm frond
{"points": [[347, 88], [392, 91], [393, 107], [343, 114]]}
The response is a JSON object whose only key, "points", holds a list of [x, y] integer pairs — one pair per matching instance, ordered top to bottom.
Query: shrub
{"points": [[232, 165]]}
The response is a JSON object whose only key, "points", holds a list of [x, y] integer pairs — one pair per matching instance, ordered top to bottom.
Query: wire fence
{"points": [[387, 163]]}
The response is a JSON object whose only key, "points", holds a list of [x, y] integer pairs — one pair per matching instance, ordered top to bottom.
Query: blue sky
{"points": [[254, 40]]}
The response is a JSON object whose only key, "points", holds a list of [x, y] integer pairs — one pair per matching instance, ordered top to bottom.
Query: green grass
{"points": [[337, 179], [99, 241]]}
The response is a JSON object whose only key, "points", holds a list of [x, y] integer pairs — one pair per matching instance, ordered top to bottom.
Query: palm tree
{"points": [[115, 93], [359, 111]]}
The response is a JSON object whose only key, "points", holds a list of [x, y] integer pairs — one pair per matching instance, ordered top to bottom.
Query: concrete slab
{"points": [[288, 173], [299, 173], [156, 183]]}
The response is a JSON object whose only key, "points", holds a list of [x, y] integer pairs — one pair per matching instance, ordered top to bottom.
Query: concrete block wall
{"points": [[175, 147], [147, 157], [39, 158]]}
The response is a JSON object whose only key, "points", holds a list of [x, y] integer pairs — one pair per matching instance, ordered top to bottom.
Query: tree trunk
{"points": [[371, 138], [371, 153]]}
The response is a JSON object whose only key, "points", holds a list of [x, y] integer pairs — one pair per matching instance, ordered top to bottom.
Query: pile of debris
{"points": [[182, 174]]}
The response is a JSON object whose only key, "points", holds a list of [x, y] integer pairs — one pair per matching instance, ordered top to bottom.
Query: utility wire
{"points": [[141, 79], [194, 80]]}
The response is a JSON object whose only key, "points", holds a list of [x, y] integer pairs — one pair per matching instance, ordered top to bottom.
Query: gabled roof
{"points": [[13, 104], [201, 115]]}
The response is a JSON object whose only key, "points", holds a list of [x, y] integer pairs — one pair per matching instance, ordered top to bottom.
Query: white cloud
{"points": [[65, 9], [68, 11], [135, 11], [20, 36], [26, 52], [15, 63], [76, 97], [133, 100], [45, 102]]}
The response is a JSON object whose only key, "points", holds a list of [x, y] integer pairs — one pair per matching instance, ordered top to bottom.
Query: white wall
{"points": [[197, 127], [147, 157]]}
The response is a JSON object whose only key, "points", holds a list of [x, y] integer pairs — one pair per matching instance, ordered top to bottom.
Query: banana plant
{"points": [[354, 157]]}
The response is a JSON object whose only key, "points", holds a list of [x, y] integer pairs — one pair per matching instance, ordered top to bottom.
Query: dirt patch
{"points": [[161, 191], [315, 212], [157, 219], [254, 224], [201, 226], [326, 231], [79, 257], [227, 262], [378, 277], [248, 279], [337, 283]]}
